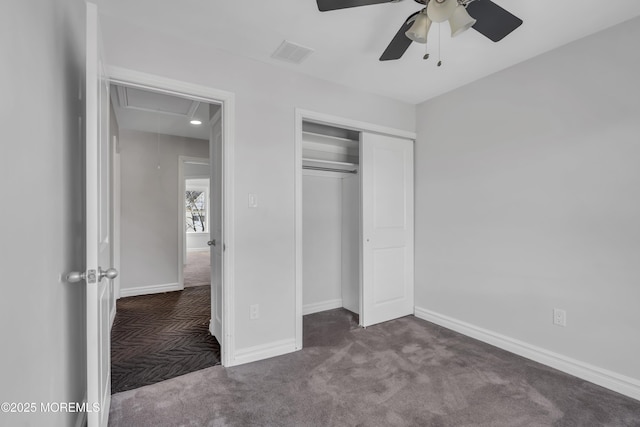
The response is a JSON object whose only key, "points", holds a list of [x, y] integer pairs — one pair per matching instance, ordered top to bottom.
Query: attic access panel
{"points": [[146, 100]]}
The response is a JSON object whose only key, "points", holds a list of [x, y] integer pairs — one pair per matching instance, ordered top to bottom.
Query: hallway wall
{"points": [[149, 208]]}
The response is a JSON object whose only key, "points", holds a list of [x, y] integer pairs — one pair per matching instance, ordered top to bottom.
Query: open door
{"points": [[386, 165], [216, 239], [99, 286]]}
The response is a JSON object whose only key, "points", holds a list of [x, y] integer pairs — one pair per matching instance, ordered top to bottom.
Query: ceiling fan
{"points": [[484, 16]]}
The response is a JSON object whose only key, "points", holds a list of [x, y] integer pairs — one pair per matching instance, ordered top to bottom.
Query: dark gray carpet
{"points": [[161, 336], [406, 372]]}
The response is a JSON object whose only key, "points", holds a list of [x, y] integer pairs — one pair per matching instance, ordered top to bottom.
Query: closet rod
{"points": [[320, 168]]}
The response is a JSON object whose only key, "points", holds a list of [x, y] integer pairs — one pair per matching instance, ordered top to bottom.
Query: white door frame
{"points": [[145, 81], [327, 119], [116, 189], [182, 240]]}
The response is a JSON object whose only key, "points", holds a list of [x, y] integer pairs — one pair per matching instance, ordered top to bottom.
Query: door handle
{"points": [[211, 242], [110, 273], [76, 276]]}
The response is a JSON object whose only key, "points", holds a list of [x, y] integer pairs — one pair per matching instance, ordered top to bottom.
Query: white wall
{"points": [[266, 98], [527, 199], [149, 206], [197, 242], [330, 242], [321, 243], [41, 318]]}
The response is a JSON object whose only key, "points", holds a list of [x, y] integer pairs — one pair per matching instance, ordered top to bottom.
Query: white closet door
{"points": [[386, 164]]}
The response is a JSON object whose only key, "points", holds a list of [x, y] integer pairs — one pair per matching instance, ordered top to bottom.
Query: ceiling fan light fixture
{"points": [[441, 10], [460, 21], [420, 28]]}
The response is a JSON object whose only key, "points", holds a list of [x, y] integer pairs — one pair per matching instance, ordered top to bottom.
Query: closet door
{"points": [[386, 164]]}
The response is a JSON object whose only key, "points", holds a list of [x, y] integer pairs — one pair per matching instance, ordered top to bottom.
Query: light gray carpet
{"points": [[197, 271], [406, 372]]}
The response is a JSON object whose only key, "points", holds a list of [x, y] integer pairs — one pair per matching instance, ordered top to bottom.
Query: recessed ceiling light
{"points": [[195, 122]]}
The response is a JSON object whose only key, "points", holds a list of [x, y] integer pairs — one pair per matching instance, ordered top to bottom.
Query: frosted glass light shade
{"points": [[441, 10], [460, 21], [420, 28]]}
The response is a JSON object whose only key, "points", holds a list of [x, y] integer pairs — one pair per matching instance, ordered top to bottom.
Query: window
{"points": [[196, 211]]}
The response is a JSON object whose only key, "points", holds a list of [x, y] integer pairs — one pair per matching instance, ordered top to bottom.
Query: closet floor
{"points": [[328, 328]]}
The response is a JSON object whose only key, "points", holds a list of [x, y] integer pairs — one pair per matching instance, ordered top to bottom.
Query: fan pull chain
{"points": [[439, 38], [158, 147]]}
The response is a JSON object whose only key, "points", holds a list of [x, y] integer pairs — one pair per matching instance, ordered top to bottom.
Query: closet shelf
{"points": [[337, 138], [329, 162]]}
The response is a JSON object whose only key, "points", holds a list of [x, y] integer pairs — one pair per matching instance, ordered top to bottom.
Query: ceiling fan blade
{"points": [[327, 5], [492, 21], [400, 42]]}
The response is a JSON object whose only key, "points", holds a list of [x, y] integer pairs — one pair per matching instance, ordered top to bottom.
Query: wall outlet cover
{"points": [[559, 317]]}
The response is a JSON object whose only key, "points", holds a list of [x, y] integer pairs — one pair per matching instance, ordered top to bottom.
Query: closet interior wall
{"points": [[331, 219]]}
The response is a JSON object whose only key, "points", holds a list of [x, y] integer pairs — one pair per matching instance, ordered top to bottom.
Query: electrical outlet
{"points": [[254, 311], [559, 317]]}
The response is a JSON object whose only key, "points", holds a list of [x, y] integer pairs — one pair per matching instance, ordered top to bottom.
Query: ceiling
{"points": [[348, 42], [149, 111]]}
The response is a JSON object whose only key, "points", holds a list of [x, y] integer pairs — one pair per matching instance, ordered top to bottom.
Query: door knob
{"points": [[211, 242], [110, 273], [76, 276]]}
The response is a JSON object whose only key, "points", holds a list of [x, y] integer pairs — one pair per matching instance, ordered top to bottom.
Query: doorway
{"points": [[221, 154], [194, 180], [162, 329]]}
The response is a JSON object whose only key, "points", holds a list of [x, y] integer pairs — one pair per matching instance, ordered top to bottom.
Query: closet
{"points": [[330, 218], [357, 222]]}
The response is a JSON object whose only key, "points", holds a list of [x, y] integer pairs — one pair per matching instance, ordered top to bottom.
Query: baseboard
{"points": [[150, 289], [321, 306], [264, 351], [613, 381]]}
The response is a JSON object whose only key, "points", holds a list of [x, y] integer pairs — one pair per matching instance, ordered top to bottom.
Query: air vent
{"points": [[291, 52]]}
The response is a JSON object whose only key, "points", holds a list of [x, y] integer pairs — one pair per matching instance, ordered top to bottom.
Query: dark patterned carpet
{"points": [[161, 336]]}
